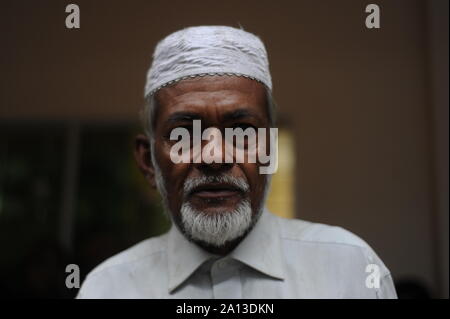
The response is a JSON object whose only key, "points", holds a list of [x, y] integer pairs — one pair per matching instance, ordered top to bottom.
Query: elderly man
{"points": [[223, 242]]}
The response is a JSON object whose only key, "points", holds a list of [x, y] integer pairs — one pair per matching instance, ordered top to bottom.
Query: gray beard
{"points": [[217, 229]]}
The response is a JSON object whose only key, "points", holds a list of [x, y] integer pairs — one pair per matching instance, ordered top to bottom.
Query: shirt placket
{"points": [[226, 280]]}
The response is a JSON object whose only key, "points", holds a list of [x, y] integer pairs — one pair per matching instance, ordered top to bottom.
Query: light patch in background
{"points": [[280, 200]]}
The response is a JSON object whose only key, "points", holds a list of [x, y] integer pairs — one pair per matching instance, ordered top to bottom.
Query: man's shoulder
{"points": [[310, 232], [333, 239], [312, 244], [145, 249], [122, 275]]}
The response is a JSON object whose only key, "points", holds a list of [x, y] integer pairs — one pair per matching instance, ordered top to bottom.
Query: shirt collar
{"points": [[260, 249], [183, 256]]}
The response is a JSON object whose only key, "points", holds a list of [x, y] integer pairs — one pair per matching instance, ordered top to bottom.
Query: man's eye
{"points": [[243, 126], [187, 127]]}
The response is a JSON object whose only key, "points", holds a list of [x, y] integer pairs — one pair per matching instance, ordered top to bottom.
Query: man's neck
{"points": [[222, 250]]}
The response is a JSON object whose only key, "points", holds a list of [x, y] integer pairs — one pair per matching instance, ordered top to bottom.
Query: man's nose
{"points": [[213, 153], [214, 167]]}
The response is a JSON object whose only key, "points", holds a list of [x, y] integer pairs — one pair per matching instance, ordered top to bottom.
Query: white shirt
{"points": [[279, 258]]}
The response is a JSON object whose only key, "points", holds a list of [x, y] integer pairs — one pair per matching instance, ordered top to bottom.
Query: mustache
{"points": [[192, 183]]}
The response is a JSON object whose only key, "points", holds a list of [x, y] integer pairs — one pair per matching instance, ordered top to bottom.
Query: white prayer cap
{"points": [[207, 50]]}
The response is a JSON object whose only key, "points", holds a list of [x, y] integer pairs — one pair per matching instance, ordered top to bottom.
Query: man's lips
{"points": [[212, 191], [216, 194]]}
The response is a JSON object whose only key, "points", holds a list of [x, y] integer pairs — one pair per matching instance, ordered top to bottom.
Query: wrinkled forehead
{"points": [[214, 90]]}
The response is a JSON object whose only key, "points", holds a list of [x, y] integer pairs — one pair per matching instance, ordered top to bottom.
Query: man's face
{"points": [[220, 102]]}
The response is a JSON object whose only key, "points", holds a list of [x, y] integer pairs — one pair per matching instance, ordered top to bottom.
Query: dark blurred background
{"points": [[366, 111]]}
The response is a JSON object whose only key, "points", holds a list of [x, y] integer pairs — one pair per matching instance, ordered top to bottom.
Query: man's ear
{"points": [[144, 159]]}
